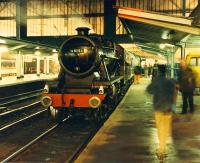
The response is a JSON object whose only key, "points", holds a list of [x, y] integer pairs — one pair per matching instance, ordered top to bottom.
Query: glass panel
{"points": [[63, 17], [7, 19], [63, 26], [193, 61], [198, 61], [8, 65], [30, 65], [54, 67]]}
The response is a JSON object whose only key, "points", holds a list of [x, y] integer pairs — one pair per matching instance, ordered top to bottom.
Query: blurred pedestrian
{"points": [[145, 70], [149, 70], [155, 70], [137, 74], [186, 86], [164, 101]]}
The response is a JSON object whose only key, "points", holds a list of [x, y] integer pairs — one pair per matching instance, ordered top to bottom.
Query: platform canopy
{"points": [[150, 30], [25, 47]]}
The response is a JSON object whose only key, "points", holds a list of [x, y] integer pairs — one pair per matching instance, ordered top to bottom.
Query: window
{"points": [[193, 61], [198, 61]]}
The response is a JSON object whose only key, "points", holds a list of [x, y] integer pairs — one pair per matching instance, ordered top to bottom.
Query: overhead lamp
{"points": [[2, 41], [162, 46], [3, 49], [37, 51], [55, 53]]}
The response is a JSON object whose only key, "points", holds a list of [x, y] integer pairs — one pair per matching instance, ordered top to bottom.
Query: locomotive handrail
{"points": [[109, 56]]}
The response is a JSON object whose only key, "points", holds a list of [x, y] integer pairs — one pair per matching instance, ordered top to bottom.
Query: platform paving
{"points": [[129, 135]]}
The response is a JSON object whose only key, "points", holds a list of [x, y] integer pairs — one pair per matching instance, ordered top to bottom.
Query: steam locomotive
{"points": [[94, 74]]}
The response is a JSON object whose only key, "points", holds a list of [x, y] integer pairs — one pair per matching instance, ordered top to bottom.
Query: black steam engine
{"points": [[93, 75]]}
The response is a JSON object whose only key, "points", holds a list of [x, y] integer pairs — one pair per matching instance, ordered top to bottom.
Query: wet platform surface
{"points": [[130, 135]]}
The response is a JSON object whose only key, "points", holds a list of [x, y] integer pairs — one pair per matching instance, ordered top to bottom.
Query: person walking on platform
{"points": [[149, 70], [155, 70], [145, 71], [137, 74], [186, 86], [164, 100]]}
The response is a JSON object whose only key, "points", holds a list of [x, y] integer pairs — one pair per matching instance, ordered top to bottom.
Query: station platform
{"points": [[12, 80], [130, 135]]}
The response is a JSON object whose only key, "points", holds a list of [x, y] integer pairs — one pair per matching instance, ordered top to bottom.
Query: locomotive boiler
{"points": [[94, 73]]}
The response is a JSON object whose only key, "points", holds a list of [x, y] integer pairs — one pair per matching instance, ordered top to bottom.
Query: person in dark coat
{"points": [[155, 70], [186, 86], [164, 100]]}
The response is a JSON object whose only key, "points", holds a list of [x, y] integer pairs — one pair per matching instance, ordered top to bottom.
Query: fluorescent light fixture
{"points": [[2, 41], [162, 46], [3, 49], [54, 51], [37, 52]]}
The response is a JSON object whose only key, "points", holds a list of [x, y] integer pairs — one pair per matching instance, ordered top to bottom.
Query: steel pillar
{"points": [[183, 7], [21, 19], [109, 19], [38, 66], [47, 66], [0, 67]]}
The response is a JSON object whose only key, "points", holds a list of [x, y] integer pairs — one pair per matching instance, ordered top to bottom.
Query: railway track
{"points": [[7, 102], [20, 107], [19, 115], [17, 134], [53, 143], [60, 143], [50, 147]]}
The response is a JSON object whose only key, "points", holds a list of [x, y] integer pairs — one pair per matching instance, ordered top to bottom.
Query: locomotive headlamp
{"points": [[77, 68], [46, 88], [101, 90], [46, 101], [94, 102]]}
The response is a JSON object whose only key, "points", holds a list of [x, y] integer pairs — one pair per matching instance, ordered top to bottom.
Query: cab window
{"points": [[193, 61]]}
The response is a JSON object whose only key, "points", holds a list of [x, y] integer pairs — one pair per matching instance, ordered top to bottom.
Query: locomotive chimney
{"points": [[84, 31]]}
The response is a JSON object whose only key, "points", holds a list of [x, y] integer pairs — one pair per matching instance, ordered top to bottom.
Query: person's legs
{"points": [[139, 76], [136, 78], [191, 102], [185, 105], [159, 117], [158, 120], [168, 124], [163, 125]]}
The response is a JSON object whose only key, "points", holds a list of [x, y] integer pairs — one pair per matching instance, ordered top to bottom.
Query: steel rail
{"points": [[22, 94], [20, 97], [19, 109], [22, 120], [28, 145], [82, 146], [13, 155]]}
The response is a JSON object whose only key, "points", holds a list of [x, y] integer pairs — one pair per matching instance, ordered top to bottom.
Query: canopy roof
{"points": [[151, 29], [25, 47]]}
